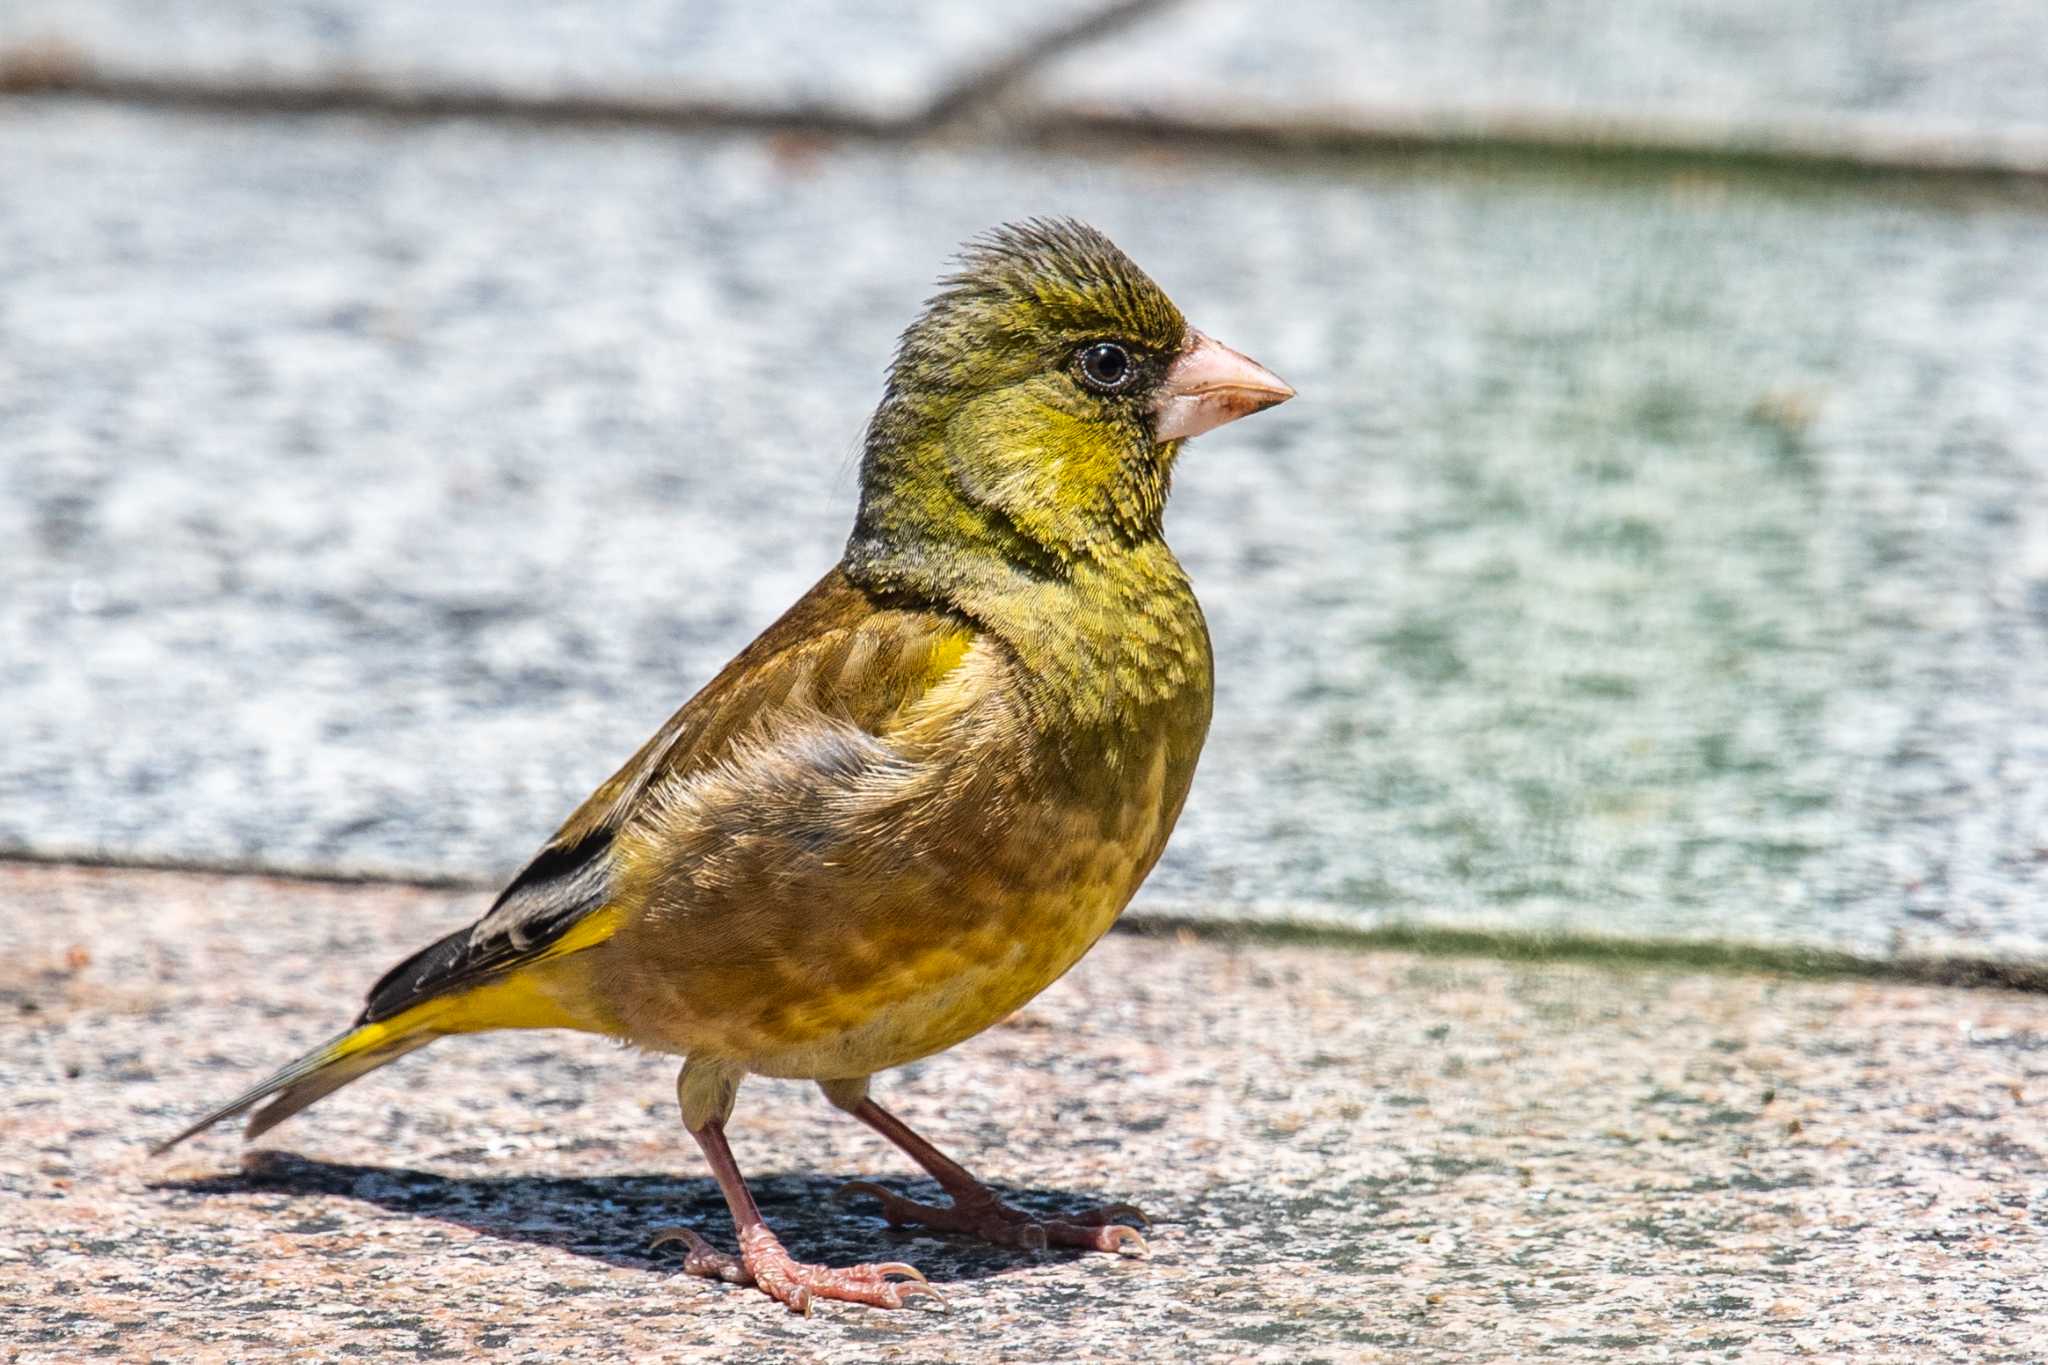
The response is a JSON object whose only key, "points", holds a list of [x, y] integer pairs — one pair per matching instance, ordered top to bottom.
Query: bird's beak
{"points": [[1209, 384]]}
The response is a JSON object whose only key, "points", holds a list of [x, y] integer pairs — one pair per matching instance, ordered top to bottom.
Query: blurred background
{"points": [[403, 408]]}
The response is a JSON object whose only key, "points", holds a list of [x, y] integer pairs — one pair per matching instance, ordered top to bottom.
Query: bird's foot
{"points": [[977, 1212], [764, 1263]]}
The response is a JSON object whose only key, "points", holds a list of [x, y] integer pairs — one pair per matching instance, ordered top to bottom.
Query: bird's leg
{"points": [[975, 1208], [763, 1261]]}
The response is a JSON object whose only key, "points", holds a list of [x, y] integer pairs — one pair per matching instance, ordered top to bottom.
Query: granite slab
{"points": [[874, 62], [1922, 83], [1661, 554], [1347, 1157]]}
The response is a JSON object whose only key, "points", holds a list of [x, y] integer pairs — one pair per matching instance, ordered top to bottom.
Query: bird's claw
{"points": [[853, 1188], [979, 1213], [1108, 1214], [1122, 1239], [702, 1258], [764, 1263]]}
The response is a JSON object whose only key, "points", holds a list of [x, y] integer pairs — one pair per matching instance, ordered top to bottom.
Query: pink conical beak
{"points": [[1209, 384]]}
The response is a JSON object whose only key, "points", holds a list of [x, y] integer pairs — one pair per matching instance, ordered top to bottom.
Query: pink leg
{"points": [[975, 1208], [763, 1261]]}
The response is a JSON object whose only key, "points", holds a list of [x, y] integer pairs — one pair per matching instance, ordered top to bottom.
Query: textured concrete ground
{"points": [[1348, 1157]]}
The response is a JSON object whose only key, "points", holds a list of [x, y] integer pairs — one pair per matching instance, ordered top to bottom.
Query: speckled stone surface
{"points": [[877, 61], [1925, 82], [1653, 555], [1348, 1157]]}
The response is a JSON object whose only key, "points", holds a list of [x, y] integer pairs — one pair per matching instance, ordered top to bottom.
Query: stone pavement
{"points": [[876, 64], [1918, 83], [1930, 83], [401, 414], [1656, 549], [1659, 556], [1348, 1156]]}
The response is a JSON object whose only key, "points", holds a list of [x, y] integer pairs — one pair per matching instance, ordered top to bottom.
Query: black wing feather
{"points": [[562, 884]]}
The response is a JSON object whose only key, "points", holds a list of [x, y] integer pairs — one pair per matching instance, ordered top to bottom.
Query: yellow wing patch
{"points": [[946, 653], [525, 997]]}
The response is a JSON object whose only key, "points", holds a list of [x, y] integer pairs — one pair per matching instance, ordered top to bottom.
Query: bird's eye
{"points": [[1105, 366]]}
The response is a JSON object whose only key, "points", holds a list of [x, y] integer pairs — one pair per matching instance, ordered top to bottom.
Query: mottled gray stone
{"points": [[882, 60], [1915, 81], [1661, 556], [1355, 1157]]}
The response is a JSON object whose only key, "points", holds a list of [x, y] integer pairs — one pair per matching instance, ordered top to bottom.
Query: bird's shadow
{"points": [[615, 1218]]}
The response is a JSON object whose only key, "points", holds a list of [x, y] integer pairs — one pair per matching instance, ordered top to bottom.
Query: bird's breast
{"points": [[1032, 872], [890, 909], [1004, 916]]}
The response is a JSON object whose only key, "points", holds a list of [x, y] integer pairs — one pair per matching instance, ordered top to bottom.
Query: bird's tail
{"points": [[550, 989], [315, 1076]]}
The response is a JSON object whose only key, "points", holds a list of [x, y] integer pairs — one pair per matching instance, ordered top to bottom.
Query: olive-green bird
{"points": [[920, 796]]}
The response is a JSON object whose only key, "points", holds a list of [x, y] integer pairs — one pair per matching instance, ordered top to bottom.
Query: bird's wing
{"points": [[848, 660]]}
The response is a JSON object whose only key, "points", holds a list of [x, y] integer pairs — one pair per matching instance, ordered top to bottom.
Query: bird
{"points": [[921, 795]]}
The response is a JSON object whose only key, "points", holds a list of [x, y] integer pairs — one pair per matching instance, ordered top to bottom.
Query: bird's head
{"points": [[1034, 411]]}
